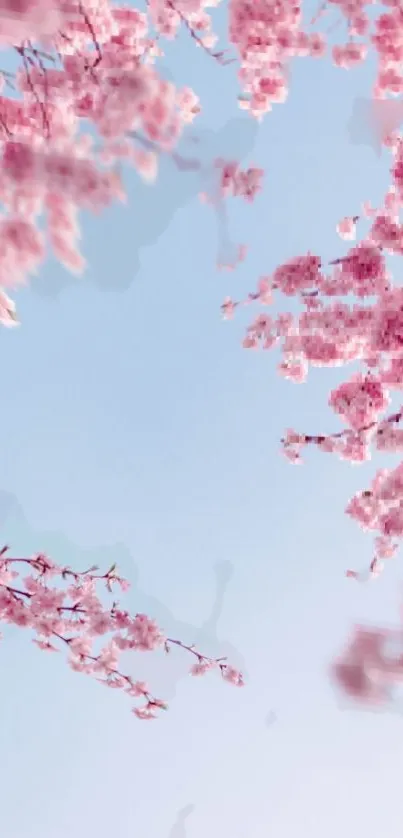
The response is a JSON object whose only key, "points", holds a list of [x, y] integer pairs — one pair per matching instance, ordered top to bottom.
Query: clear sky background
{"points": [[135, 428]]}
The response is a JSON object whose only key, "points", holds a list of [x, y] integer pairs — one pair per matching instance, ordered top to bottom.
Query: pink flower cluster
{"points": [[266, 35], [82, 62], [88, 62], [239, 183], [347, 311], [351, 311], [359, 401], [380, 508], [63, 609], [372, 666]]}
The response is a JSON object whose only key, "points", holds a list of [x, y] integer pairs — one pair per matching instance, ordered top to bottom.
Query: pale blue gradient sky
{"points": [[135, 426]]}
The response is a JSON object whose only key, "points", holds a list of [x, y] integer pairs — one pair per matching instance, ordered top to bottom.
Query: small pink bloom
{"points": [[349, 55], [346, 228], [8, 316], [201, 668], [233, 676], [144, 713]]}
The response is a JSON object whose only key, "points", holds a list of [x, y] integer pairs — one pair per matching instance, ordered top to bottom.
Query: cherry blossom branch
{"points": [[91, 30], [27, 62], [185, 164], [294, 441], [76, 617]]}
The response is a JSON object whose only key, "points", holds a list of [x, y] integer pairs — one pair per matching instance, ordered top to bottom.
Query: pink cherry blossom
{"points": [[349, 55], [346, 228], [7, 311], [360, 400], [371, 667]]}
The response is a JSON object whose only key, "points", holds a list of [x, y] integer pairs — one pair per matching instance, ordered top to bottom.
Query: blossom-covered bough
{"points": [[87, 95], [65, 611]]}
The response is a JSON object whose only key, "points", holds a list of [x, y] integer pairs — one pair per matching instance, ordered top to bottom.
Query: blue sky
{"points": [[136, 428]]}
